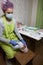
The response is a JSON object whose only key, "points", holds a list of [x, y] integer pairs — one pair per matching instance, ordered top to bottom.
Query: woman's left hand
{"points": [[23, 41]]}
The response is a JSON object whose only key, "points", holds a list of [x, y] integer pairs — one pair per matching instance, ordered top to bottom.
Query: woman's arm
{"points": [[16, 31], [18, 34]]}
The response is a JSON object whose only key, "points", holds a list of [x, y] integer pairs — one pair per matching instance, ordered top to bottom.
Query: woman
{"points": [[9, 36]]}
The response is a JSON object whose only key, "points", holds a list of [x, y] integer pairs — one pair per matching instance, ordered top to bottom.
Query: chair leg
{"points": [[30, 63]]}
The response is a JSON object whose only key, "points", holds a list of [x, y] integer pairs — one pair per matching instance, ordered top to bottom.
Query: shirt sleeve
{"points": [[16, 30], [2, 39]]}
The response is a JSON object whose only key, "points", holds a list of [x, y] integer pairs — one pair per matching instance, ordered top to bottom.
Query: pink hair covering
{"points": [[6, 4]]}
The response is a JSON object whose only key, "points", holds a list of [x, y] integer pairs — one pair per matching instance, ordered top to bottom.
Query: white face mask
{"points": [[9, 16]]}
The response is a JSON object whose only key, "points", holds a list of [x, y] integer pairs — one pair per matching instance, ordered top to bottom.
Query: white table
{"points": [[35, 35], [31, 37]]}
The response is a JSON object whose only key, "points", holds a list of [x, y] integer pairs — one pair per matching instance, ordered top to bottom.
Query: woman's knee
{"points": [[10, 55]]}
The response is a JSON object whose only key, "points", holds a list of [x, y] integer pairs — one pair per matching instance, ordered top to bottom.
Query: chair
{"points": [[24, 58]]}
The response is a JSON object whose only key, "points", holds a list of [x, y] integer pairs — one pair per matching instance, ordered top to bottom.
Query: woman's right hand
{"points": [[13, 42]]}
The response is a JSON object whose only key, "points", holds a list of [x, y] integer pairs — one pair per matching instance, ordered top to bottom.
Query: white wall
{"points": [[0, 9], [22, 10], [34, 12]]}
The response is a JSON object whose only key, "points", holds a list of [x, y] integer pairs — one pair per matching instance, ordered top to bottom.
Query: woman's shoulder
{"points": [[1, 21], [15, 21]]}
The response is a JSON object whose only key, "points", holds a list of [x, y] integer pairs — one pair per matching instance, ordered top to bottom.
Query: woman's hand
{"points": [[13, 42]]}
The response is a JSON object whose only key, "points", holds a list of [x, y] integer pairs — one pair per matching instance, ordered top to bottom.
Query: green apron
{"points": [[8, 34]]}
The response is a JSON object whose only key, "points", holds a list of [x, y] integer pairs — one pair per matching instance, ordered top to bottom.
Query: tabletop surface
{"points": [[35, 34]]}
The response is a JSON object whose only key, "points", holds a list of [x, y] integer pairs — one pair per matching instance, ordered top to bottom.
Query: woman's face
{"points": [[9, 10], [9, 13]]}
